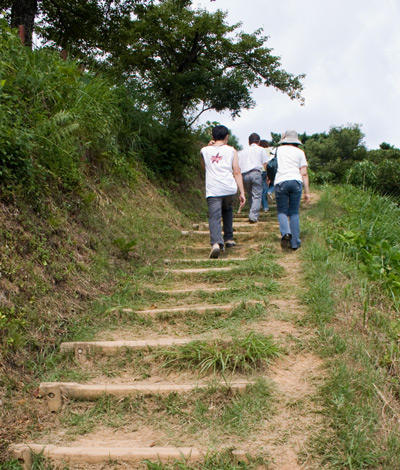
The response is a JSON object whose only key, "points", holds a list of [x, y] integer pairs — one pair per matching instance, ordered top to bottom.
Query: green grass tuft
{"points": [[222, 356]]}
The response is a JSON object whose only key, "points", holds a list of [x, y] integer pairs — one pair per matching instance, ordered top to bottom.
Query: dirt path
{"points": [[296, 377]]}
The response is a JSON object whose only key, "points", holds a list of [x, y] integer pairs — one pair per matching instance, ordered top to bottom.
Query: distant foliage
{"points": [[331, 155]]}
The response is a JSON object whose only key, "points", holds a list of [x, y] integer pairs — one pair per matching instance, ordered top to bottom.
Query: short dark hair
{"points": [[219, 132], [254, 138], [264, 143]]}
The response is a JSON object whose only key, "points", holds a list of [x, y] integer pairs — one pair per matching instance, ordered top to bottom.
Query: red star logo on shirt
{"points": [[216, 159]]}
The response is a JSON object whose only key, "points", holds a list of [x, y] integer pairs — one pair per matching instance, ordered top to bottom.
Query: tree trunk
{"points": [[23, 14]]}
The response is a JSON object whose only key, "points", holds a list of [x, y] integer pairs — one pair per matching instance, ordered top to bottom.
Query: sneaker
{"points": [[270, 198], [266, 210], [252, 221], [285, 241], [230, 244], [215, 251]]}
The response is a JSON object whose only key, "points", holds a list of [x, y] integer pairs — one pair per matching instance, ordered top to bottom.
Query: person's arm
{"points": [[203, 165], [238, 178], [306, 184]]}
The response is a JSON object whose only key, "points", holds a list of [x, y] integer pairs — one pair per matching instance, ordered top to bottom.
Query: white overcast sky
{"points": [[350, 53]]}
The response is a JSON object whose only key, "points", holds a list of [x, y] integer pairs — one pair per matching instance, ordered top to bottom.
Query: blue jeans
{"points": [[253, 183], [266, 189], [288, 196], [220, 206]]}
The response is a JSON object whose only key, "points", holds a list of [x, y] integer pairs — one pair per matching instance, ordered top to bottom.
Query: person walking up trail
{"points": [[251, 162], [291, 177], [223, 179], [267, 185]]}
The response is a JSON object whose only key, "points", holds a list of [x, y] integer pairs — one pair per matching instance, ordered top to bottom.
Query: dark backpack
{"points": [[272, 167]]}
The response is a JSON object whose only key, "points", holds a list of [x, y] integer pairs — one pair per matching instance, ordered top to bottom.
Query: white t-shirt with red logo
{"points": [[219, 174]]}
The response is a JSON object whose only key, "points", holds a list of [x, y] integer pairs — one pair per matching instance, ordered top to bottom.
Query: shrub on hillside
{"points": [[56, 119], [363, 174], [388, 175]]}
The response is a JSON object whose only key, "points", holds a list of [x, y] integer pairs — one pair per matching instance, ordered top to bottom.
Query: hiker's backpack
{"points": [[272, 167]]}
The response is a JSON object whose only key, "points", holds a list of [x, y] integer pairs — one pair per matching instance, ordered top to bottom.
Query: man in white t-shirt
{"points": [[251, 162], [223, 178]]}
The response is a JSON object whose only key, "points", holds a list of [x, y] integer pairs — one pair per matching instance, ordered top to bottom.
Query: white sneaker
{"points": [[215, 251]]}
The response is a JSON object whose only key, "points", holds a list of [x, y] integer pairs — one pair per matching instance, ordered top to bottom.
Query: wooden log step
{"points": [[243, 215], [236, 223], [206, 232], [207, 248], [201, 260], [199, 270], [197, 289], [193, 308], [115, 345], [82, 348], [54, 392], [103, 454]]}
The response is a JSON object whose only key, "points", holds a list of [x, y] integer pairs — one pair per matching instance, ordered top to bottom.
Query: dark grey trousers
{"points": [[252, 182], [220, 207]]}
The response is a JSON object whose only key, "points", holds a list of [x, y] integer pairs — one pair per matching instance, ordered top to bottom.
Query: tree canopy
{"points": [[184, 60], [176, 61], [190, 61]]}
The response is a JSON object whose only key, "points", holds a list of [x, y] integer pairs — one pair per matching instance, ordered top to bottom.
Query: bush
{"points": [[56, 119], [363, 174], [388, 175]]}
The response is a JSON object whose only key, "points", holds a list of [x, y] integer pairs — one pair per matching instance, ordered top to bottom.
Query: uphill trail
{"points": [[208, 361]]}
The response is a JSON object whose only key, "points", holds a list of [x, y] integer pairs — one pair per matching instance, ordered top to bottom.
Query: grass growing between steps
{"points": [[255, 279], [237, 291], [188, 321], [357, 323], [234, 353], [222, 356], [213, 414]]}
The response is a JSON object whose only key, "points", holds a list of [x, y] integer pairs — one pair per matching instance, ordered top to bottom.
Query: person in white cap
{"points": [[291, 181]]}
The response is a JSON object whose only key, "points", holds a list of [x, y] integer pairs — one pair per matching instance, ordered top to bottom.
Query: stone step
{"points": [[54, 392], [103, 454]]}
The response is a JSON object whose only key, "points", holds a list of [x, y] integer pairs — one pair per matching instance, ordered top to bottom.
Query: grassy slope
{"points": [[55, 263], [357, 323]]}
